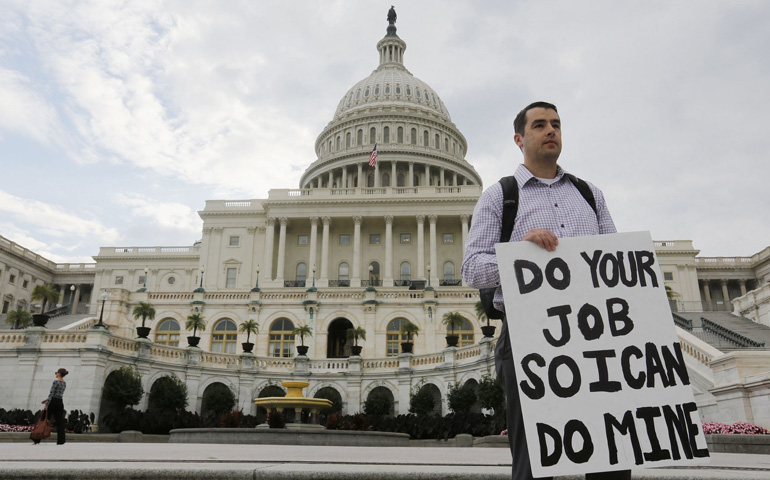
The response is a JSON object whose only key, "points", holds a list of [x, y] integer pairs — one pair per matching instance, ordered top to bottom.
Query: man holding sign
{"points": [[550, 206]]}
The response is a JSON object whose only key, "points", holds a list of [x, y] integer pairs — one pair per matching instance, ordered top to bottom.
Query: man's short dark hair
{"points": [[521, 119]]}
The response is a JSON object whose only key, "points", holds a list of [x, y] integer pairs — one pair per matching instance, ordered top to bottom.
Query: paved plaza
{"points": [[257, 462]]}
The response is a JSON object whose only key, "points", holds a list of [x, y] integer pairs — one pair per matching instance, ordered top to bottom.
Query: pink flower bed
{"points": [[15, 428], [736, 428]]}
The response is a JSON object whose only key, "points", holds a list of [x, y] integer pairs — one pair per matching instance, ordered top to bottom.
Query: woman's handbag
{"points": [[42, 428]]}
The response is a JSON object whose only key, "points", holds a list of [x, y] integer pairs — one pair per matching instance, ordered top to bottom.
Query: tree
{"points": [[670, 293], [45, 294], [144, 311], [481, 314], [18, 318], [452, 320], [195, 322], [248, 327], [408, 328], [303, 331], [356, 333], [123, 387], [168, 394], [491, 394], [218, 398], [461, 399], [422, 402], [378, 403]]}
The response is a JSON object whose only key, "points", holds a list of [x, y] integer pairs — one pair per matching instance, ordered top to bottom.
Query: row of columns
{"points": [[439, 180], [355, 276], [73, 296], [709, 306]]}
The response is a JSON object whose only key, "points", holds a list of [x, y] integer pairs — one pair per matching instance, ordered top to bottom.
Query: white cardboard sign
{"points": [[602, 378]]}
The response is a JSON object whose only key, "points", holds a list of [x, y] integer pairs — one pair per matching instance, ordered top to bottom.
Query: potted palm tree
{"points": [[44, 294], [144, 311], [18, 318], [452, 320], [195, 322], [248, 327], [408, 329], [488, 330], [302, 331], [354, 334]]}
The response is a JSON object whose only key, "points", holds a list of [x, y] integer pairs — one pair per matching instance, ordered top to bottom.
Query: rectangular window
{"points": [[449, 238], [303, 239], [345, 239], [374, 239], [406, 239], [235, 241], [668, 276], [231, 277], [12, 279], [118, 280], [141, 280], [25, 284], [6, 305]]}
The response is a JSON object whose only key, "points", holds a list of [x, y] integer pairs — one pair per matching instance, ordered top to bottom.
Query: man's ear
{"points": [[518, 140]]}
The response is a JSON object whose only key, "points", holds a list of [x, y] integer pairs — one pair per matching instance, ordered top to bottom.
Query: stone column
{"points": [[377, 174], [427, 175], [441, 177], [331, 179], [393, 179], [454, 179], [344, 180], [410, 181], [361, 182], [464, 223], [269, 235], [420, 247], [325, 251], [433, 254], [311, 260], [279, 275], [355, 277], [388, 279], [211, 280], [742, 283], [707, 296], [726, 296], [76, 300]]}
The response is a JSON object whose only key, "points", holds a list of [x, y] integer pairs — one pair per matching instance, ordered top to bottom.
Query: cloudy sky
{"points": [[119, 119]]}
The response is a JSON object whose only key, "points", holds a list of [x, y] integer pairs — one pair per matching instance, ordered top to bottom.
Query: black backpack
{"points": [[510, 208]]}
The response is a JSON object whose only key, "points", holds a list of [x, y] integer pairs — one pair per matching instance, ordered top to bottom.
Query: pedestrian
{"points": [[551, 204], [55, 405]]}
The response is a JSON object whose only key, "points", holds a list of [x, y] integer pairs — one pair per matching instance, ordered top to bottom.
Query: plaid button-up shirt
{"points": [[558, 207]]}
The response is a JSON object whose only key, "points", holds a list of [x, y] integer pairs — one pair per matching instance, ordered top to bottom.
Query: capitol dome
{"points": [[408, 122]]}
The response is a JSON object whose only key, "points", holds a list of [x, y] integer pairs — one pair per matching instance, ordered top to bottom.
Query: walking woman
{"points": [[55, 405]]}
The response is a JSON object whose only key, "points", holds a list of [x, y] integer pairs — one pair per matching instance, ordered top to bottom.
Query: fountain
{"points": [[295, 400]]}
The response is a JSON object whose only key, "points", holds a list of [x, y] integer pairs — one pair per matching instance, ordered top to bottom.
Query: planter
{"points": [[39, 319], [488, 331], [142, 332], [451, 340], [193, 341], [247, 347], [406, 347], [302, 349], [356, 349]]}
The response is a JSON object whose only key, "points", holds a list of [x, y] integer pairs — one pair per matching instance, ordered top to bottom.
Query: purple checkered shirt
{"points": [[559, 208]]}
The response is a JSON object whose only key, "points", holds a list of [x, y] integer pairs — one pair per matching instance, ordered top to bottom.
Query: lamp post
{"points": [[313, 276], [429, 277], [144, 281], [201, 286], [256, 286], [72, 298], [101, 315]]}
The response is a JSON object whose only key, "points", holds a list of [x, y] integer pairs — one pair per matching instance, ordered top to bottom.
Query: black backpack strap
{"points": [[584, 190], [510, 207]]}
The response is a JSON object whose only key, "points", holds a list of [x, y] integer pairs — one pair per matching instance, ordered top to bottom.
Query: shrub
{"points": [[123, 388], [168, 393], [491, 394], [217, 399], [461, 399], [422, 402], [378, 403], [275, 419], [736, 428]]}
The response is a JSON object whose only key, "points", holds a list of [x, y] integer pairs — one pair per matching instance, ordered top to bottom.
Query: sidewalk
{"points": [[262, 462]]}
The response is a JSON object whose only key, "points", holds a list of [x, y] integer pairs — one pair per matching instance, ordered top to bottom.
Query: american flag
{"points": [[373, 157]]}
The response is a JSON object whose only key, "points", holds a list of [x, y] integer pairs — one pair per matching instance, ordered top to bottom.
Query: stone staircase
{"points": [[725, 331]]}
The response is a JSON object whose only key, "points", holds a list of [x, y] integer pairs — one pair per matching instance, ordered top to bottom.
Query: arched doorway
{"points": [[337, 344]]}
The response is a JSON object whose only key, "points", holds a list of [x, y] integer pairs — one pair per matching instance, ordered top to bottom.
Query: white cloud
{"points": [[24, 111], [163, 214]]}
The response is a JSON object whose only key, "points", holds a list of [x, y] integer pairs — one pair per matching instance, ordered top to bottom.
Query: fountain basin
{"points": [[280, 436]]}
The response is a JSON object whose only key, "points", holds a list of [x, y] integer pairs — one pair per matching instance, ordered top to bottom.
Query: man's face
{"points": [[542, 135]]}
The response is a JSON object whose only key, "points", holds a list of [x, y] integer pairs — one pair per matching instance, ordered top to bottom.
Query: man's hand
{"points": [[545, 238]]}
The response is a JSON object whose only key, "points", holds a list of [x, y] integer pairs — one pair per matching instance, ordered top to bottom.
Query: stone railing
{"points": [[319, 193], [145, 251], [26, 253], [744, 262], [75, 267], [401, 295], [227, 296], [182, 297], [83, 324], [729, 335], [13, 337], [64, 337], [123, 344], [701, 352], [430, 359], [390, 363], [328, 365]]}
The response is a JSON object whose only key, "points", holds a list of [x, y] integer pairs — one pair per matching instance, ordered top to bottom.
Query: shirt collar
{"points": [[523, 175]]}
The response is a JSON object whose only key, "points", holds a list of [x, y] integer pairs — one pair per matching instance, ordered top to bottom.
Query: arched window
{"points": [[372, 135], [386, 135], [400, 135], [413, 136], [360, 137], [425, 138], [347, 140], [339, 142], [436, 142], [446, 145], [385, 179], [400, 180], [415, 180], [406, 271], [449, 272], [374, 273], [301, 274], [343, 275], [167, 333], [465, 333], [224, 336], [394, 337], [281, 343]]}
